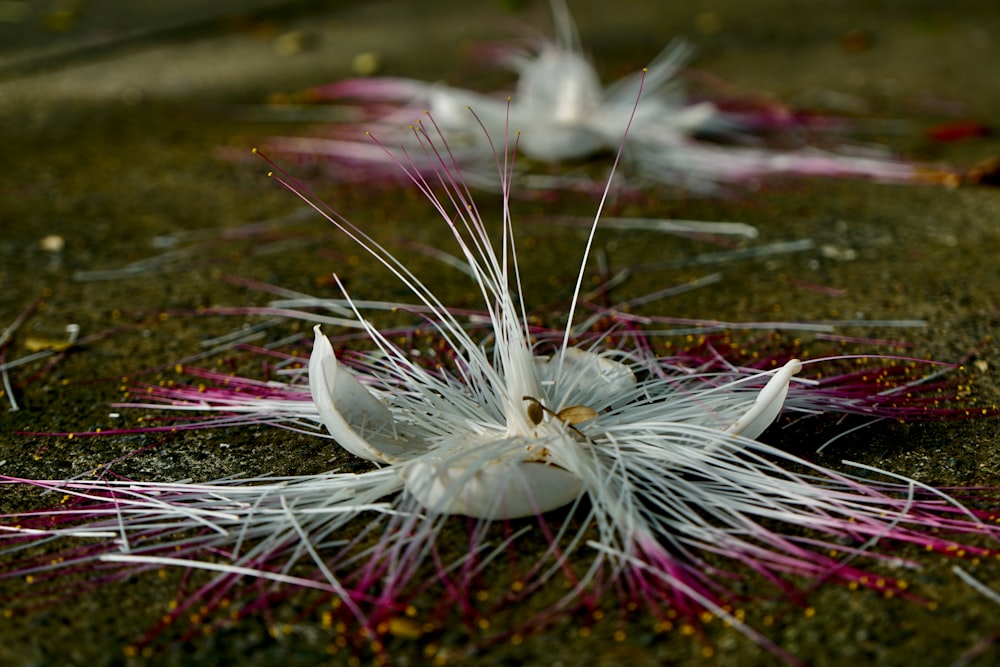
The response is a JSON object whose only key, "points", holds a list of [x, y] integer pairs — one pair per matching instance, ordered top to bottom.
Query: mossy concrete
{"points": [[115, 149]]}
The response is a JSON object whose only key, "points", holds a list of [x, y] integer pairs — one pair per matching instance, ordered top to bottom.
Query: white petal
{"points": [[450, 110], [587, 378], [768, 404], [356, 419], [497, 490]]}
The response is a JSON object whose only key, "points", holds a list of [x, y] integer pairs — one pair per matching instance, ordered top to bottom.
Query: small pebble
{"points": [[291, 43], [366, 64], [52, 243]]}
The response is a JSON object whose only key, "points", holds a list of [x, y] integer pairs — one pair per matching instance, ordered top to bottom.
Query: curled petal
{"points": [[580, 377], [768, 404], [358, 421], [496, 490]]}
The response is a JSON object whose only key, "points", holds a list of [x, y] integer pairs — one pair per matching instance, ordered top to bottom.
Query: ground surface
{"points": [[111, 146]]}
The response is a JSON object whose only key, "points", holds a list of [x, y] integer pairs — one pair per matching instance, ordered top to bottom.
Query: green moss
{"points": [[109, 177]]}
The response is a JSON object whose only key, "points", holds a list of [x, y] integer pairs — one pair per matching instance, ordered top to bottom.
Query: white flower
{"points": [[563, 112], [498, 450], [658, 462]]}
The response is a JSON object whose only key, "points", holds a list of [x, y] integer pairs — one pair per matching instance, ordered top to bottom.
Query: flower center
{"points": [[571, 415]]}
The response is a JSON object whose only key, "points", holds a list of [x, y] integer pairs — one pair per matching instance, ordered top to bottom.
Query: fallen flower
{"points": [[563, 114], [671, 503]]}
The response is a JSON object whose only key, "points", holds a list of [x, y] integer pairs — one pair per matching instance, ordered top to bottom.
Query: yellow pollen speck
{"points": [[366, 63], [809, 612], [405, 628], [584, 631], [619, 636], [707, 651]]}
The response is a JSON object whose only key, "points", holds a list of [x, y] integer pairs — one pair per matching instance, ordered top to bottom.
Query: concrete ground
{"points": [[115, 124]]}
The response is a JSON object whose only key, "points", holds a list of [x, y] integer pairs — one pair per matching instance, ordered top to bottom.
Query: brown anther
{"points": [[535, 410], [576, 414]]}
